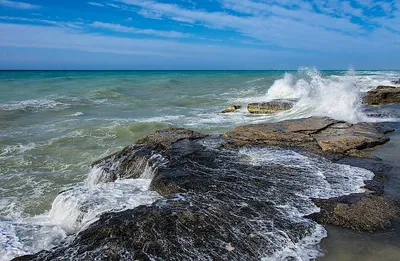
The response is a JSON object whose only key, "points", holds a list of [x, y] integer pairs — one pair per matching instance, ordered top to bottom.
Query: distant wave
{"points": [[32, 105]]}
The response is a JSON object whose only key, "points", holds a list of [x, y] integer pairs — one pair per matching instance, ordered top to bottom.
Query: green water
{"points": [[53, 124]]}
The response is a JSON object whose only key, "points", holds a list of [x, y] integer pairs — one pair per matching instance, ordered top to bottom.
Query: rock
{"points": [[397, 82], [382, 87], [382, 95], [269, 107], [232, 108], [374, 115], [314, 134], [165, 138], [132, 161], [220, 205], [212, 210], [362, 212], [23, 258]]}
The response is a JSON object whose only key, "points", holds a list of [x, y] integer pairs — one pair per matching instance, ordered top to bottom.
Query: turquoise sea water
{"points": [[53, 124]]}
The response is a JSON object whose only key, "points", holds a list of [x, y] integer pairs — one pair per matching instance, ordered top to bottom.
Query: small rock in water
{"points": [[397, 82], [269, 107], [232, 108], [374, 115], [229, 247]]}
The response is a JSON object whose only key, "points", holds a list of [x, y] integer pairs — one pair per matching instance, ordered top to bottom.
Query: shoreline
{"points": [[167, 185], [348, 245]]}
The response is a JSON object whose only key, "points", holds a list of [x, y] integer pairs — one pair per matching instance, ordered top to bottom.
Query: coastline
{"points": [[122, 127], [178, 145], [347, 245]]}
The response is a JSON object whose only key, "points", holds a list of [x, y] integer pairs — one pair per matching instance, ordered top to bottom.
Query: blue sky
{"points": [[199, 34]]}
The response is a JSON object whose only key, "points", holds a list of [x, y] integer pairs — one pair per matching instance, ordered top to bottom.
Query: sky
{"points": [[199, 34]]}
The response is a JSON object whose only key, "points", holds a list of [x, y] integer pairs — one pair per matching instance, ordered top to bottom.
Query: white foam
{"points": [[336, 96], [39, 104], [77, 114], [10, 150], [315, 178], [73, 210], [27, 236]]}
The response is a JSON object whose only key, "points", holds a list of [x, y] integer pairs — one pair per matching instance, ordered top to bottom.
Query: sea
{"points": [[54, 124]]}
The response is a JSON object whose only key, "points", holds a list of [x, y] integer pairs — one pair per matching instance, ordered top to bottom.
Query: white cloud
{"points": [[96, 4], [18, 5], [150, 14], [272, 24], [72, 25], [127, 29], [59, 38]]}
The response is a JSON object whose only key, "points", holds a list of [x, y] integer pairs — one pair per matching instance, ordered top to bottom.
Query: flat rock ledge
{"points": [[382, 95], [269, 107], [318, 135], [216, 205], [358, 212]]}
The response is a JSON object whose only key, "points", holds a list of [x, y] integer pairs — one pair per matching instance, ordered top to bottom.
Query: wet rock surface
{"points": [[382, 95], [269, 107], [232, 108], [319, 135], [234, 203], [362, 212]]}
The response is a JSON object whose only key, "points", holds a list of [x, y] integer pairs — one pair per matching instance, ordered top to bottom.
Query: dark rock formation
{"points": [[397, 82], [382, 95], [269, 107], [232, 108], [314, 134], [132, 161], [226, 202], [362, 212]]}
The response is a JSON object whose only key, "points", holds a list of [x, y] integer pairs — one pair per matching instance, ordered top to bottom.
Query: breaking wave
{"points": [[338, 98], [72, 211]]}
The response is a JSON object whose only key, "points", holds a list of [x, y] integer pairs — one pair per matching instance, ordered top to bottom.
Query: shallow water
{"points": [[54, 124]]}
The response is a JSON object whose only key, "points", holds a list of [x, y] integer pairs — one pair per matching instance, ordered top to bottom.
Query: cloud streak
{"points": [[18, 5], [277, 25], [127, 29]]}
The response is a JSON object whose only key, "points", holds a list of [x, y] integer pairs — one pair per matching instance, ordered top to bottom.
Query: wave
{"points": [[315, 94], [338, 98], [33, 105], [72, 211]]}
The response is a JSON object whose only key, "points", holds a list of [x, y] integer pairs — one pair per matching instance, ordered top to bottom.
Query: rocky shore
{"points": [[382, 95], [219, 205]]}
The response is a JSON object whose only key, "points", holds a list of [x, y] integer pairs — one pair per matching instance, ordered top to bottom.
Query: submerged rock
{"points": [[397, 82], [382, 95], [269, 107], [232, 108], [314, 134], [362, 212]]}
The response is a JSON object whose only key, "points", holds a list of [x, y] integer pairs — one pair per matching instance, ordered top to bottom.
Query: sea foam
{"points": [[338, 98], [73, 210]]}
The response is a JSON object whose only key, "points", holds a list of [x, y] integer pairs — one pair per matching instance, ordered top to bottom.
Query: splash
{"points": [[335, 97], [74, 210]]}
